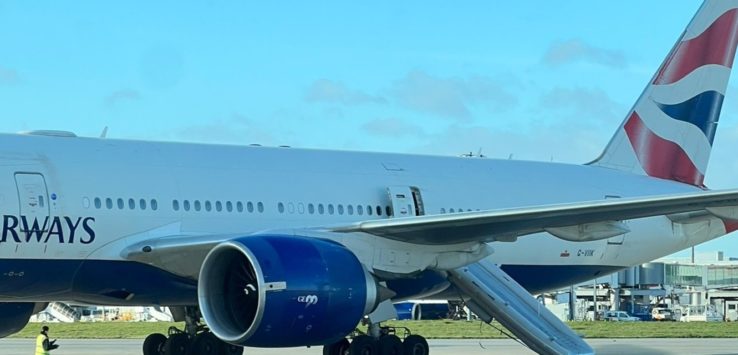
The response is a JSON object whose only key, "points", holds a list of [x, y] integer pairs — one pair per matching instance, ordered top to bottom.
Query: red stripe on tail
{"points": [[716, 45], [659, 157], [730, 226]]}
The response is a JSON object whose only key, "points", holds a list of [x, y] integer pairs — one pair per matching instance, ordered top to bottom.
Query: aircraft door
{"points": [[33, 196], [406, 201]]}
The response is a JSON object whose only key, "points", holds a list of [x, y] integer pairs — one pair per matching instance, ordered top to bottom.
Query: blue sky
{"points": [[538, 80]]}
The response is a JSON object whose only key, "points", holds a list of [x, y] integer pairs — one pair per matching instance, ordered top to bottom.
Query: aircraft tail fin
{"points": [[669, 131]]}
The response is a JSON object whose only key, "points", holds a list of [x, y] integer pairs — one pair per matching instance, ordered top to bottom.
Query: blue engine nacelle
{"points": [[283, 291], [15, 315]]}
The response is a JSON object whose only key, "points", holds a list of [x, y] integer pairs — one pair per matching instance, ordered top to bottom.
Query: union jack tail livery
{"points": [[669, 131]]}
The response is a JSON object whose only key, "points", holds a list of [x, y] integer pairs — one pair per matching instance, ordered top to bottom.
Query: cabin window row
{"points": [[121, 204], [177, 205], [218, 206], [332, 209]]}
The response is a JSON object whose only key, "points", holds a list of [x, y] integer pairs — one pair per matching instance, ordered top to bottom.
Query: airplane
{"points": [[282, 247]]}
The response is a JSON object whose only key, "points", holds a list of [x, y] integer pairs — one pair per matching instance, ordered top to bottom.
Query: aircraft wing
{"points": [[580, 221]]}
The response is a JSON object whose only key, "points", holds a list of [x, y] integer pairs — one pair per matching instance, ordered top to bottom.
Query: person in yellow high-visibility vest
{"points": [[43, 345]]}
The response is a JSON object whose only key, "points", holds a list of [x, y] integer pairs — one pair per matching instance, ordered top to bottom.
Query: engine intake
{"points": [[283, 291]]}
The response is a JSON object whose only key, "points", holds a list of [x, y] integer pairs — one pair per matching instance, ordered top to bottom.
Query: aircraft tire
{"points": [[206, 343], [153, 344], [177, 344], [363, 345], [390, 345], [415, 345], [338, 348]]}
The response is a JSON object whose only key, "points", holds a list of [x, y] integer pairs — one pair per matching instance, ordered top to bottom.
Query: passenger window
{"points": [[86, 202], [98, 203], [109, 203], [120, 203], [131, 204], [142, 204], [186, 204], [154, 205], [175, 205], [198, 206], [208, 206], [218, 206], [229, 206], [239, 206], [250, 207], [260, 207], [280, 207], [301, 208], [311, 208], [320, 209], [340, 209], [350, 209], [331, 210], [360, 210], [369, 210], [443, 210], [451, 210], [379, 211], [388, 211]]}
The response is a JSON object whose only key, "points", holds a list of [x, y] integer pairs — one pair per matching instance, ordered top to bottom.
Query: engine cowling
{"points": [[283, 291], [15, 315]]}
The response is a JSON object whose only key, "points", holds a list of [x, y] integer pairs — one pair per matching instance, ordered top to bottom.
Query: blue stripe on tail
{"points": [[702, 111]]}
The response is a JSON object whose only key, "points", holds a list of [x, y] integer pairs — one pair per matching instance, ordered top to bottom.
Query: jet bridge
{"points": [[491, 293]]}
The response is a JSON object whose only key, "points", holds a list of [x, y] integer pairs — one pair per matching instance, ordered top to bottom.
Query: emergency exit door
{"points": [[33, 196], [406, 201]]}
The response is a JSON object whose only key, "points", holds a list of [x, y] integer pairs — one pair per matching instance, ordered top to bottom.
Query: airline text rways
{"points": [[55, 229]]}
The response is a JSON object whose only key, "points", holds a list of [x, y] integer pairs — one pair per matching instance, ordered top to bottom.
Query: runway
{"points": [[696, 346]]}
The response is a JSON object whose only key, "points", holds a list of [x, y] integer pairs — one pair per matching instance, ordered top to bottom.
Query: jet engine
{"points": [[283, 291], [15, 315]]}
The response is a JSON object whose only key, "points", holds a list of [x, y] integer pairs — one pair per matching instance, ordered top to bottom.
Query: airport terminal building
{"points": [[703, 287]]}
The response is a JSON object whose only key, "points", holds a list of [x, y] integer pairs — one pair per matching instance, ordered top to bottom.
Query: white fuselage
{"points": [[102, 193]]}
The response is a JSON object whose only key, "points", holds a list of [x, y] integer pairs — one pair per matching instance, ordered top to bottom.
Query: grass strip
{"points": [[435, 329]]}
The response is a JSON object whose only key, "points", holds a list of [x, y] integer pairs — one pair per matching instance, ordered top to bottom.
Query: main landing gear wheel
{"points": [[154, 344], [177, 344], [207, 344], [387, 344], [363, 345], [390, 345], [415, 345], [340, 347]]}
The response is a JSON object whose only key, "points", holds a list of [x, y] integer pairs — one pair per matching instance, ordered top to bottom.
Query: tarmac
{"points": [[696, 346]]}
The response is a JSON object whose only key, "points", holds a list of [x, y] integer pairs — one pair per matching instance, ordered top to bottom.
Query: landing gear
{"points": [[196, 339], [382, 341], [206, 343], [154, 344], [177, 344], [390, 344], [363, 345], [415, 345], [340, 347]]}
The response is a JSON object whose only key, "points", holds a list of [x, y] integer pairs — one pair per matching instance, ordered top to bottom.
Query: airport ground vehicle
{"points": [[662, 314], [619, 316]]}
